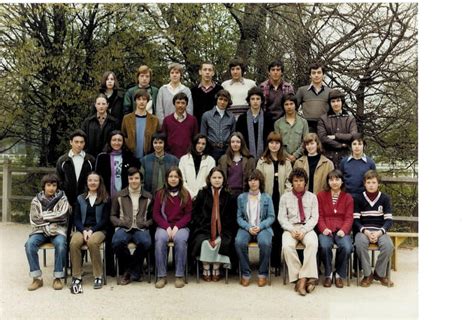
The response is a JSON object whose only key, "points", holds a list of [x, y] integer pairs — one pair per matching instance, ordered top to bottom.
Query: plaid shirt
{"points": [[286, 87]]}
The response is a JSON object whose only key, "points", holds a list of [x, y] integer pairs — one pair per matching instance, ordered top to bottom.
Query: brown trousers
{"points": [[93, 244]]}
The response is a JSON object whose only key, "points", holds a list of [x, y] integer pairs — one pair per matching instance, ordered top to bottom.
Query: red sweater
{"points": [[179, 135], [177, 215], [335, 216]]}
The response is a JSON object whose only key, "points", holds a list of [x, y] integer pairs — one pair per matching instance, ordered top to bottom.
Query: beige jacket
{"points": [[283, 174], [320, 174]]}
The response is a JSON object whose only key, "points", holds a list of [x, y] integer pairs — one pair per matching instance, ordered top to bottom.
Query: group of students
{"points": [[216, 188]]}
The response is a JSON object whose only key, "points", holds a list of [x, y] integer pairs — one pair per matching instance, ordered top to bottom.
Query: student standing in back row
{"points": [[144, 74], [238, 86], [274, 88], [204, 93], [313, 98], [164, 101]]}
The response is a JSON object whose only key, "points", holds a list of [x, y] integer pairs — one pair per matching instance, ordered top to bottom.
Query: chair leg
{"points": [[44, 258], [373, 258], [104, 266], [149, 266], [357, 267], [197, 271], [349, 271], [269, 272], [285, 272], [117, 273], [226, 275]]}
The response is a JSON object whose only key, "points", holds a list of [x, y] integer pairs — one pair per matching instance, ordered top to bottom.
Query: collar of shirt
{"points": [[241, 81], [312, 87], [207, 89], [174, 90], [220, 112], [101, 118], [180, 119], [81, 154], [364, 158]]}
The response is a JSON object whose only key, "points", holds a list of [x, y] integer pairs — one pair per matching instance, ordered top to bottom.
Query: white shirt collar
{"points": [[81, 154]]}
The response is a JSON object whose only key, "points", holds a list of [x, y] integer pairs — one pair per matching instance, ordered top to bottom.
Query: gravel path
{"points": [[203, 300]]}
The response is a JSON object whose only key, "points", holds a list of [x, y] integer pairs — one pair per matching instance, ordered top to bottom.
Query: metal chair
{"points": [[254, 244], [132, 246]]}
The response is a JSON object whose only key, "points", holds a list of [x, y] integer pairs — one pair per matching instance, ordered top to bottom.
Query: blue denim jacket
{"points": [[267, 213]]}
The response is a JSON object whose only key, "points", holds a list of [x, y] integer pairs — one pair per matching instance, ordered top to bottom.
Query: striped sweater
{"points": [[372, 215]]}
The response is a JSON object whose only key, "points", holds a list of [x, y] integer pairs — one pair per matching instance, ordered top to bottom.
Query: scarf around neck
{"points": [[257, 150], [300, 195], [215, 217]]}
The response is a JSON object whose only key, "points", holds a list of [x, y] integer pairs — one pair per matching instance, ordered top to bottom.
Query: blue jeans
{"points": [[264, 240], [32, 247], [343, 251], [179, 254], [128, 262]]}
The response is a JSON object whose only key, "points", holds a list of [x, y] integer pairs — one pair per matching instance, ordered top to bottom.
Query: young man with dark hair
{"points": [[144, 74], [238, 86], [274, 88], [204, 93], [313, 98], [217, 124], [139, 126], [179, 127], [292, 128], [336, 128], [156, 164], [354, 166], [72, 167], [298, 215], [48, 216], [131, 216], [372, 221]]}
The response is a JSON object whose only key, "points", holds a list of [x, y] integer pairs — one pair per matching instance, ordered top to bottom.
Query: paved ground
{"points": [[203, 300]]}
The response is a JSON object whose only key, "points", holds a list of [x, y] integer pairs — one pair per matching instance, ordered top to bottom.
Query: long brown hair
{"points": [[244, 151], [267, 154], [165, 193], [102, 195]]}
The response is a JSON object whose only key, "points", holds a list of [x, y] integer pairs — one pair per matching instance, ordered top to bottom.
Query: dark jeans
{"points": [[264, 239], [343, 251], [128, 262]]}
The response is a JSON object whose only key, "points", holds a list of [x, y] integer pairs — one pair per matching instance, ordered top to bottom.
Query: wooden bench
{"points": [[399, 237]]}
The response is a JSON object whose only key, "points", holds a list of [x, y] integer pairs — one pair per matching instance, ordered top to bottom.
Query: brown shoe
{"points": [[206, 277], [216, 277], [126, 279], [383, 280], [245, 281], [367, 281], [179, 282], [262, 282], [327, 282], [37, 283], [161, 283], [339, 283], [57, 284], [311, 284], [301, 286]]}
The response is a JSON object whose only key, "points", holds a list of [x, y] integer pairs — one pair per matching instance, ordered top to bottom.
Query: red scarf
{"points": [[299, 195], [215, 217]]}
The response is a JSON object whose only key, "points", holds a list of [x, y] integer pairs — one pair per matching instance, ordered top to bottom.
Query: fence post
{"points": [[6, 191]]}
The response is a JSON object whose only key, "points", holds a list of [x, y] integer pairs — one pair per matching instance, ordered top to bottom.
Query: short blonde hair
{"points": [[144, 69], [312, 137]]}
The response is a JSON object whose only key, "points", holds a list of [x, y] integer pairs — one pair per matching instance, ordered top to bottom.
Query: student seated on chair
{"points": [[336, 211], [172, 213], [255, 215], [298, 215], [48, 217], [131, 217], [90, 218], [372, 220], [213, 225]]}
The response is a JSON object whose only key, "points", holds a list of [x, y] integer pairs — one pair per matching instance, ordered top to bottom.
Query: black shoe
{"points": [[98, 283], [76, 286]]}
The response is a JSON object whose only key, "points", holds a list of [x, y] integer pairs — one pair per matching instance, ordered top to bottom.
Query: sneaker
{"points": [[179, 282], [37, 283], [98, 283], [161, 283], [57, 284], [76, 286]]}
